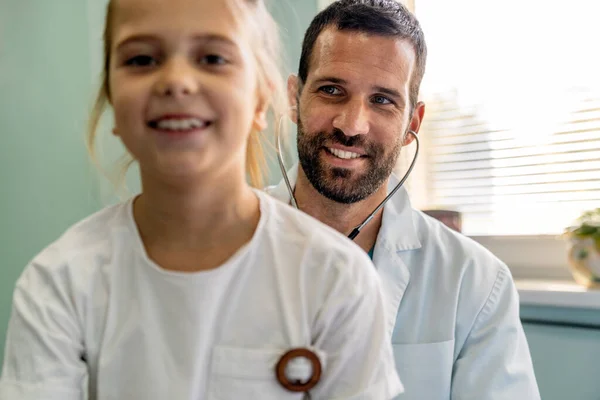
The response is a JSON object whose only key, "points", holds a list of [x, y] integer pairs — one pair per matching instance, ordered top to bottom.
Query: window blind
{"points": [[511, 136]]}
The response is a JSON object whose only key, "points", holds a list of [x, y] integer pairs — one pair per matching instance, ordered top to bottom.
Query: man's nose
{"points": [[353, 118]]}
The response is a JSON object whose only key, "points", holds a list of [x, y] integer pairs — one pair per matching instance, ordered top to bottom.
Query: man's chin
{"points": [[341, 175], [340, 191]]}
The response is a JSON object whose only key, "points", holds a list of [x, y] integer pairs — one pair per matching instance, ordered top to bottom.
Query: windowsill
{"points": [[557, 294]]}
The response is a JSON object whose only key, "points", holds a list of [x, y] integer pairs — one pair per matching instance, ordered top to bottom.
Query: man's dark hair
{"points": [[376, 17]]}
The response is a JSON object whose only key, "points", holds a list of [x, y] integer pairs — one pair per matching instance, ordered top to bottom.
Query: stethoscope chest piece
{"points": [[299, 370]]}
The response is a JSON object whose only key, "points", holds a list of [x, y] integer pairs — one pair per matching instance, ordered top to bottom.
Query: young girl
{"points": [[199, 287]]}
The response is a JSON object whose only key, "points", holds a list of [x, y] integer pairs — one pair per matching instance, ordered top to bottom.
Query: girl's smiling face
{"points": [[183, 86]]}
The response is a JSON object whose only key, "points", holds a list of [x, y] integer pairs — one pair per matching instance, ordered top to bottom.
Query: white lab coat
{"points": [[452, 309]]}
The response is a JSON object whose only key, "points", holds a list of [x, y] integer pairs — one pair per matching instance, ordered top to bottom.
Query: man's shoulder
{"points": [[453, 249], [452, 265]]}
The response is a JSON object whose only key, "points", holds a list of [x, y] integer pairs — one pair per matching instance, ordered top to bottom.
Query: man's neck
{"points": [[341, 217]]}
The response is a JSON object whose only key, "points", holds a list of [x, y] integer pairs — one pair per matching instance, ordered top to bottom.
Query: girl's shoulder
{"points": [[302, 238], [83, 246]]}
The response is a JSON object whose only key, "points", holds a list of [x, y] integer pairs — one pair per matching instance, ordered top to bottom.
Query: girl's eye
{"points": [[213, 59], [141, 61], [330, 90], [381, 100]]}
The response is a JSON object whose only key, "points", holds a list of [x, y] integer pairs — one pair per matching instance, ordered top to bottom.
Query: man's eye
{"points": [[213, 59], [141, 61], [330, 90], [381, 100]]}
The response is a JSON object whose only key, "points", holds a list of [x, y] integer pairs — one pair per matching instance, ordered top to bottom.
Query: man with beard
{"points": [[452, 307]]}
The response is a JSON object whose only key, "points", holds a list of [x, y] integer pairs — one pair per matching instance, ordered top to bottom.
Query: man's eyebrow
{"points": [[329, 79], [388, 91]]}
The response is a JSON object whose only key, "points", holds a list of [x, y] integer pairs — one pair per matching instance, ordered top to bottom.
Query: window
{"points": [[511, 136]]}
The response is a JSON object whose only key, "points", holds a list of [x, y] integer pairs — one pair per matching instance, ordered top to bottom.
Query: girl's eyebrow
{"points": [[146, 38]]}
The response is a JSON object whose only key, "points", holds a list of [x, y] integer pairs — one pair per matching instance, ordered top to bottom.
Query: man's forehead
{"points": [[362, 53]]}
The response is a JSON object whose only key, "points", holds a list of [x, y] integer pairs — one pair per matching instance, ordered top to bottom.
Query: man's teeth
{"points": [[180, 124], [346, 155]]}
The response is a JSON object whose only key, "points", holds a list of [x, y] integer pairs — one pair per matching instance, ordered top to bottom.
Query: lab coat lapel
{"points": [[396, 236], [395, 277]]}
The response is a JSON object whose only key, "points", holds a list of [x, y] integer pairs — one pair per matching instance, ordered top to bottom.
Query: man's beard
{"points": [[340, 184]]}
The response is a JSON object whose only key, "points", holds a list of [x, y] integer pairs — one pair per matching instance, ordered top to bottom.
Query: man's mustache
{"points": [[337, 136]]}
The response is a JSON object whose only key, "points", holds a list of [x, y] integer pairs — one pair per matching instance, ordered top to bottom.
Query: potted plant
{"points": [[584, 249]]}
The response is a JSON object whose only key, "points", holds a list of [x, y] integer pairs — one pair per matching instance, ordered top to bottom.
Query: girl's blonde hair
{"points": [[271, 85]]}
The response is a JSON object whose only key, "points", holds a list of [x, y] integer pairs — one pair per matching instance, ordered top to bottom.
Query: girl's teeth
{"points": [[180, 124], [346, 155]]}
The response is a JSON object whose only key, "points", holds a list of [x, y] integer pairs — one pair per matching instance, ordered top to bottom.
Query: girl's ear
{"points": [[260, 122]]}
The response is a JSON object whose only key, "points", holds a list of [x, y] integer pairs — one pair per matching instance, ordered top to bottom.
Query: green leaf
{"points": [[588, 224], [586, 230]]}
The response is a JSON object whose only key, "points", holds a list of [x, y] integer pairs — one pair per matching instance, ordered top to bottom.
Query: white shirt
{"points": [[93, 306], [451, 307]]}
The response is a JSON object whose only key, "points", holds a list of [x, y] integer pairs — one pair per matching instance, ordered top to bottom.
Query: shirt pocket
{"points": [[425, 369], [243, 373]]}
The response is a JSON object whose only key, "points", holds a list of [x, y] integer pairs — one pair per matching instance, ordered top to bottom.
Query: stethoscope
{"points": [[309, 380]]}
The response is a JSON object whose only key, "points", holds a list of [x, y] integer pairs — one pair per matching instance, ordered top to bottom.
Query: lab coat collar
{"points": [[398, 228], [397, 232]]}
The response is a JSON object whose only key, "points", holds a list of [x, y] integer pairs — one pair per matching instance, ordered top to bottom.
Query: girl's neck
{"points": [[196, 225]]}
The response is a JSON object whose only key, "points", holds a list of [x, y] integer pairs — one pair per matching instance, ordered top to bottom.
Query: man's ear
{"points": [[292, 91], [415, 123]]}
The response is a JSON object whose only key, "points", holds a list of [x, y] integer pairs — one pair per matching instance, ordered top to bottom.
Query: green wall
{"points": [[293, 17], [49, 60], [44, 90]]}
